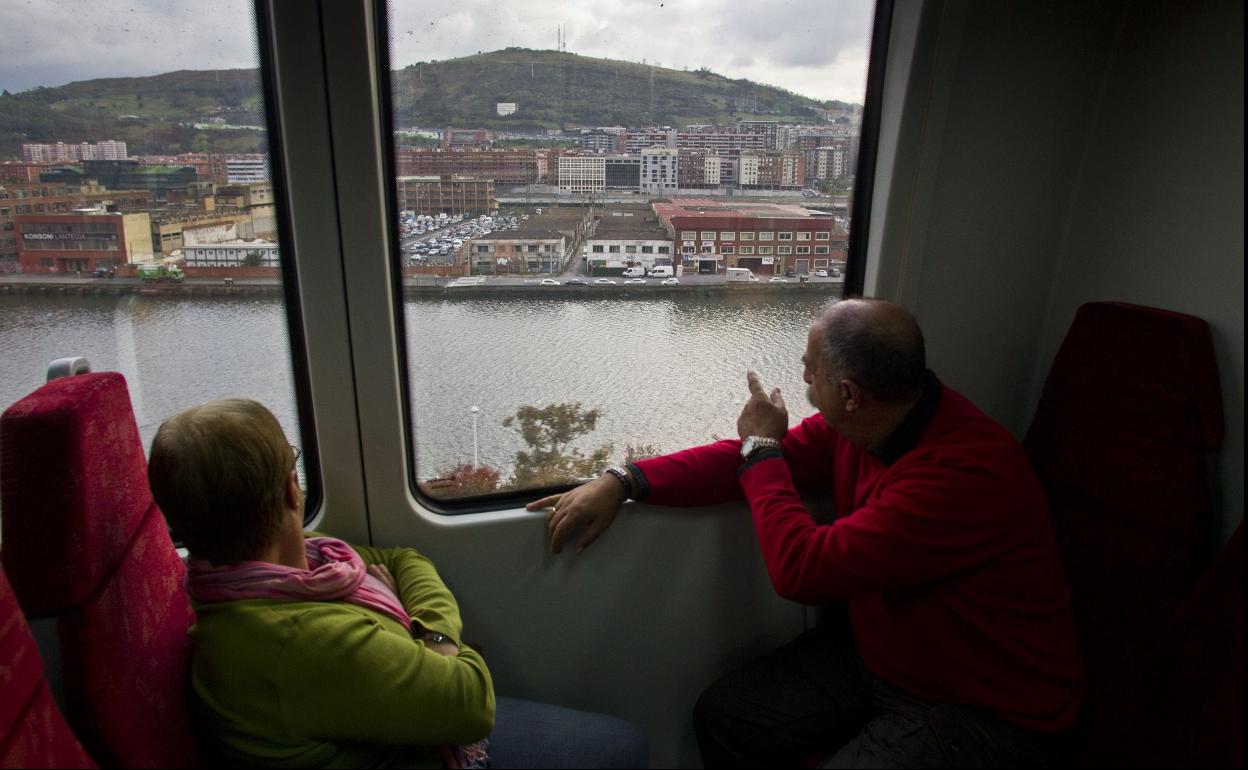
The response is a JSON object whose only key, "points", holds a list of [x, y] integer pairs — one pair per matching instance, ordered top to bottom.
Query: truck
{"points": [[662, 271], [635, 272], [161, 273], [741, 275]]}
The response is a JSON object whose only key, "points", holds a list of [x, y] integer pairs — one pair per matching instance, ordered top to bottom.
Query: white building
{"points": [[505, 108], [247, 170], [658, 170], [582, 174], [625, 239], [232, 254]]}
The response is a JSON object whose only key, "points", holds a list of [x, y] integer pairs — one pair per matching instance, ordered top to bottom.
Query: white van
{"points": [[664, 271], [635, 272], [741, 275]]}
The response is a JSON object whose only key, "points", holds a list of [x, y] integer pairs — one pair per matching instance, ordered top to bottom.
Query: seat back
{"points": [[1120, 439], [84, 542], [32, 731]]}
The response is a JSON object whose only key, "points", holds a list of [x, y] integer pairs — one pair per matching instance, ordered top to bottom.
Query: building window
{"points": [[688, 235], [728, 235], [766, 235], [804, 235], [822, 235], [746, 236], [786, 236], [726, 248], [597, 249], [613, 249], [630, 249], [647, 249], [665, 249], [708, 249], [764, 249], [784, 249], [803, 249], [821, 249], [688, 250], [744, 250], [821, 263]]}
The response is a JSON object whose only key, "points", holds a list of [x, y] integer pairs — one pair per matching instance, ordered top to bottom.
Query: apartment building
{"points": [[60, 152], [509, 167], [697, 169], [247, 170], [659, 170], [771, 170], [623, 173], [582, 174], [447, 194]]}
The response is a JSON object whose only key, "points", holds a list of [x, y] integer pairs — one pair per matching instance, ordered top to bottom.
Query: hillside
{"points": [[157, 114]]}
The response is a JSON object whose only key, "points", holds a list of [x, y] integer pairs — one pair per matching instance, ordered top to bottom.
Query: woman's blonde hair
{"points": [[219, 473]]}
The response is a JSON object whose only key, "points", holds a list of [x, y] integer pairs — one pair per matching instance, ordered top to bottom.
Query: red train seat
{"points": [[1121, 439], [85, 543], [32, 731]]}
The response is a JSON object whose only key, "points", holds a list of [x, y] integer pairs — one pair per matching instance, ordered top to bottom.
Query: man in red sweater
{"points": [[961, 647]]}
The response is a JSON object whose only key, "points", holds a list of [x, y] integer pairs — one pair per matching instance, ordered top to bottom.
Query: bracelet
{"points": [[621, 475]]}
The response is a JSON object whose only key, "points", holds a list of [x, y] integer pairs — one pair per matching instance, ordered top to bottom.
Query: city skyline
{"points": [[816, 48]]}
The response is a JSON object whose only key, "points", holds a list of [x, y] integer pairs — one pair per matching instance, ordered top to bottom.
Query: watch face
{"points": [[747, 446]]}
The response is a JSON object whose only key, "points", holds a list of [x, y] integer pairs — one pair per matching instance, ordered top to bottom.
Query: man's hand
{"points": [[763, 415], [592, 505]]}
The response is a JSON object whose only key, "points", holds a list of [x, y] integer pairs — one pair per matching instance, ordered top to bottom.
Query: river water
{"points": [[666, 371]]}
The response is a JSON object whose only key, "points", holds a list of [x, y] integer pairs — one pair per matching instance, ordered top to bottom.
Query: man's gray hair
{"points": [[877, 345]]}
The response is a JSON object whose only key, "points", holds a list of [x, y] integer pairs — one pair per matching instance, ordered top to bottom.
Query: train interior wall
{"points": [[1057, 154]]}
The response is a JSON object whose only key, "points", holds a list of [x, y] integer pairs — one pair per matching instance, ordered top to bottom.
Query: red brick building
{"points": [[513, 167], [767, 238]]}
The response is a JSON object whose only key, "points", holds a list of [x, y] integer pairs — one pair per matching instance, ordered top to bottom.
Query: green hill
{"points": [[158, 114]]}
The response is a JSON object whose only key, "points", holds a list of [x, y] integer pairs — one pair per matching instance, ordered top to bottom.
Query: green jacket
{"points": [[330, 684]]}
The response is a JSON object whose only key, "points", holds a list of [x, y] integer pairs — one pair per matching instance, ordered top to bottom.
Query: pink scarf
{"points": [[336, 573]]}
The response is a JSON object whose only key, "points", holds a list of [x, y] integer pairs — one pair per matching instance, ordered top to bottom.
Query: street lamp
{"points": [[476, 460]]}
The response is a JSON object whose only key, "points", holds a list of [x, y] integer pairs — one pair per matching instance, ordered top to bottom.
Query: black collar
{"points": [[906, 435]]}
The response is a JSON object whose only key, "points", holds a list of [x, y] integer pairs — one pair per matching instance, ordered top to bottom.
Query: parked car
{"points": [[103, 272], [821, 273], [777, 279], [636, 280], [604, 281], [669, 281], [549, 282], [575, 282]]}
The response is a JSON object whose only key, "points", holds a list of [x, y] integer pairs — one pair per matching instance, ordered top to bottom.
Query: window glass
{"points": [[154, 250], [515, 384]]}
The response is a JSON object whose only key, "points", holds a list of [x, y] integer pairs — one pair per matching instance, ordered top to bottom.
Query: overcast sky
{"points": [[817, 48]]}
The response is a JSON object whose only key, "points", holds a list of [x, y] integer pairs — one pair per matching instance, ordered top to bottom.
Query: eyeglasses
{"points": [[297, 452]]}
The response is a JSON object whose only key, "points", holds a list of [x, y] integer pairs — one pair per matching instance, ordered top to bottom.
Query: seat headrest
{"points": [[1096, 373], [73, 488]]}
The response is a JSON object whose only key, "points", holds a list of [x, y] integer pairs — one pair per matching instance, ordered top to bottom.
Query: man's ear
{"points": [[851, 394]]}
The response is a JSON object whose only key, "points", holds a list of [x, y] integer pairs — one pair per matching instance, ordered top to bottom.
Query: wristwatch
{"points": [[753, 444], [621, 474], [433, 637]]}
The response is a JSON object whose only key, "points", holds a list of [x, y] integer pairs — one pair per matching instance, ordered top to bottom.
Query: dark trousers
{"points": [[814, 703]]}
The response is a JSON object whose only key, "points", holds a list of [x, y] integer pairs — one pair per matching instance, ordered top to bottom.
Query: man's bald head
{"points": [[876, 344]]}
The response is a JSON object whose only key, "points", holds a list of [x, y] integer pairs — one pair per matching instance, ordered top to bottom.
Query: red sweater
{"points": [[945, 556]]}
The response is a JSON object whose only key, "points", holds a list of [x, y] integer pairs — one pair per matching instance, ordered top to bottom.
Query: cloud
{"points": [[813, 47]]}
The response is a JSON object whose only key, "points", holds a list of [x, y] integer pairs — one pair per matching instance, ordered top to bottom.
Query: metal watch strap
{"points": [[621, 474], [433, 637]]}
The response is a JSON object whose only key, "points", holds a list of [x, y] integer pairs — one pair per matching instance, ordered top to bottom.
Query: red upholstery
{"points": [[1130, 409], [83, 541], [1187, 683], [32, 731]]}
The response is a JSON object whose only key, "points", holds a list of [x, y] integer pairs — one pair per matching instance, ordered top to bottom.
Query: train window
{"points": [[574, 127], [140, 224]]}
